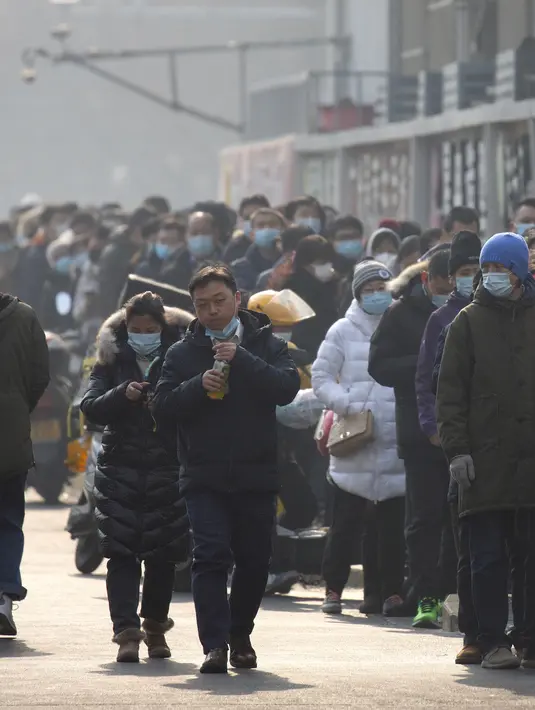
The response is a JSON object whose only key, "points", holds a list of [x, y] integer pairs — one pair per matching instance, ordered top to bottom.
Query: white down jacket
{"points": [[341, 381]]}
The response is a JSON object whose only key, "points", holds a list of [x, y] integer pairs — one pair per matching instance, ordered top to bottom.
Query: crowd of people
{"points": [[414, 350]]}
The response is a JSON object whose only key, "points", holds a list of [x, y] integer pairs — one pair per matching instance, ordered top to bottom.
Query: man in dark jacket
{"points": [[264, 252], [463, 266], [394, 352], [25, 376], [486, 419], [227, 433]]}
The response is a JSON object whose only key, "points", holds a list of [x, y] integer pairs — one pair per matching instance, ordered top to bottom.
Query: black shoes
{"points": [[242, 654], [215, 661]]}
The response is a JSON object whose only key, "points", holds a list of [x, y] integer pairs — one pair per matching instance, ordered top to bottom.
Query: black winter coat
{"points": [[323, 299], [394, 350], [228, 444], [139, 509]]}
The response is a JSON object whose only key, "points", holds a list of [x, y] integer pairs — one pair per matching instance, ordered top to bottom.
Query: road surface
{"points": [[63, 657]]}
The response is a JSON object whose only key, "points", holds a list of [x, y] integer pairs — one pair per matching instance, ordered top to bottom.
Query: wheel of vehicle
{"points": [[49, 487], [88, 555], [182, 583]]}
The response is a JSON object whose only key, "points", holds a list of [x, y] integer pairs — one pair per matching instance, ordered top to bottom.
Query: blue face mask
{"points": [[313, 222], [523, 227], [246, 228], [265, 238], [201, 245], [6, 247], [350, 248], [162, 251], [64, 265], [464, 285], [498, 285], [439, 300], [375, 304], [226, 333], [144, 344]]}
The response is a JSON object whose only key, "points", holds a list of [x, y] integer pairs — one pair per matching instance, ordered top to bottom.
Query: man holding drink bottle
{"points": [[221, 385]]}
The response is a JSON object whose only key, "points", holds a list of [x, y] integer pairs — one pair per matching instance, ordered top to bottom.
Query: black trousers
{"points": [[229, 528], [428, 532], [491, 537], [387, 567], [122, 583]]}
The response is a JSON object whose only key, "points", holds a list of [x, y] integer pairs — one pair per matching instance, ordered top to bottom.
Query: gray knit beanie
{"points": [[369, 270]]}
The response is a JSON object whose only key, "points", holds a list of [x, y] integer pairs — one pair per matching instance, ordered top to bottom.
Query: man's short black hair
{"points": [[258, 200], [305, 201], [526, 202], [158, 204], [462, 215], [139, 218], [83, 219], [346, 222], [409, 229], [291, 237], [429, 238], [311, 249], [439, 264], [215, 272]]}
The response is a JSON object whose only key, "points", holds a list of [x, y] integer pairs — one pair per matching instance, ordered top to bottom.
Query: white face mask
{"points": [[387, 259], [323, 272]]}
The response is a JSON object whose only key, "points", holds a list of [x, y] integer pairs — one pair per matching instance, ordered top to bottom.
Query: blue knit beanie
{"points": [[509, 250]]}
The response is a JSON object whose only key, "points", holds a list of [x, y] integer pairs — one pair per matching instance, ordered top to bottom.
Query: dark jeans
{"points": [[12, 508], [349, 514], [229, 528], [428, 533], [490, 537], [122, 582], [467, 613]]}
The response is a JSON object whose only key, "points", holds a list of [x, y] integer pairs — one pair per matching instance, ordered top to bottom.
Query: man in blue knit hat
{"points": [[486, 421]]}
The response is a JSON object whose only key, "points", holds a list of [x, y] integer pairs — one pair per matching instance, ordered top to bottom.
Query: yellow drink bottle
{"points": [[224, 368]]}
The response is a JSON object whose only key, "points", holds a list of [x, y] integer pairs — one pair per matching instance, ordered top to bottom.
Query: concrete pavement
{"points": [[63, 657]]}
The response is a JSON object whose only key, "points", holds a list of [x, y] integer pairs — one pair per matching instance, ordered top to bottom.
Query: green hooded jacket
{"points": [[24, 377], [486, 400]]}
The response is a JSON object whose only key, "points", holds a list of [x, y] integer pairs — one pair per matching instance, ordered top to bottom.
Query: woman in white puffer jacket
{"points": [[370, 482]]}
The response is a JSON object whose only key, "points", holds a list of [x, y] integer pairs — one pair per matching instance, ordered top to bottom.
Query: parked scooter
{"points": [[49, 426], [82, 524]]}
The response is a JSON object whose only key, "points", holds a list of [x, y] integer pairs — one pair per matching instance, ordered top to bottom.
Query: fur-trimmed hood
{"points": [[400, 285], [109, 335]]}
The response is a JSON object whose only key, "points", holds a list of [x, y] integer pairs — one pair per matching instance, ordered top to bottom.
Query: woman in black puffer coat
{"points": [[140, 513]]}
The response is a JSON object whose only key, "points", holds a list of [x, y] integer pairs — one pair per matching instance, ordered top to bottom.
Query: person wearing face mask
{"points": [[307, 212], [524, 217], [242, 237], [347, 237], [383, 245], [202, 248], [264, 252], [463, 267], [316, 282], [393, 359], [220, 386], [485, 414], [372, 479], [140, 512]]}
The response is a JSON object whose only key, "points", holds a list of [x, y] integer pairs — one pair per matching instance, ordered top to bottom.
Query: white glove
{"points": [[462, 471]]}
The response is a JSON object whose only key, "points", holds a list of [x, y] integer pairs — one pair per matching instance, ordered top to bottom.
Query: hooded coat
{"points": [[394, 351], [24, 378], [341, 381], [486, 400], [228, 444], [139, 508]]}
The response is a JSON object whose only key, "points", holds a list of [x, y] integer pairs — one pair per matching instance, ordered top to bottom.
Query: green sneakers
{"points": [[429, 613]]}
